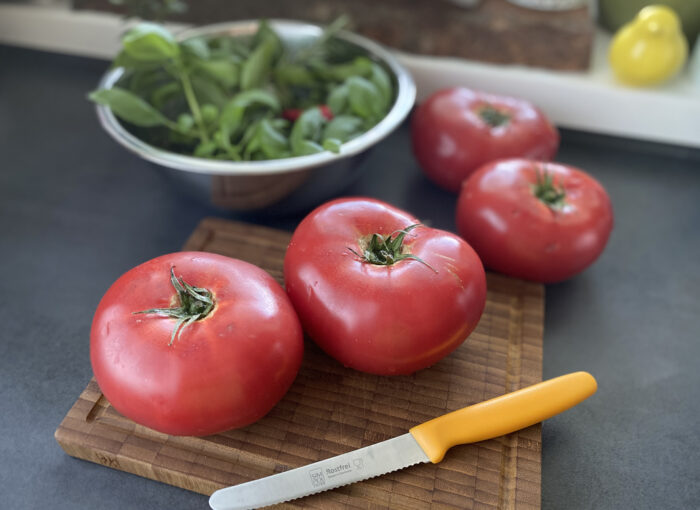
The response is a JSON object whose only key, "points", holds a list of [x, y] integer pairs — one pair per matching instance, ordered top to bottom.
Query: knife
{"points": [[427, 442]]}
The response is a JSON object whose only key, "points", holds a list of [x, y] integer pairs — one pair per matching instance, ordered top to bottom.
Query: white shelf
{"points": [[588, 101]]}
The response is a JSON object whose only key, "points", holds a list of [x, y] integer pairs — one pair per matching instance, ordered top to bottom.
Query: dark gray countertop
{"points": [[76, 211]]}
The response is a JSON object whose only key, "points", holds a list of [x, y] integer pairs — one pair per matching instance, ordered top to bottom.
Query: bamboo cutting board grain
{"points": [[330, 410]]}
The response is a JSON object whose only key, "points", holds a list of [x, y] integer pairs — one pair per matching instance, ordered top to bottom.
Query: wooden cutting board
{"points": [[331, 410]]}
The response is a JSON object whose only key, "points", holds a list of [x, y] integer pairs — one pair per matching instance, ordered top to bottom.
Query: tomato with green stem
{"points": [[456, 130], [534, 220], [380, 292], [195, 343]]}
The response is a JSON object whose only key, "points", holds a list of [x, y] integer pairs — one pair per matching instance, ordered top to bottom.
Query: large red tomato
{"points": [[457, 130], [538, 221], [379, 293], [224, 370]]}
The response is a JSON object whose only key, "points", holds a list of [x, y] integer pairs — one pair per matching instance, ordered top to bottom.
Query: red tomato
{"points": [[292, 114], [457, 130], [538, 221], [383, 319], [223, 371]]}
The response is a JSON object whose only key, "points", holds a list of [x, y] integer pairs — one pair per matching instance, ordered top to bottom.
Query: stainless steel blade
{"points": [[373, 460]]}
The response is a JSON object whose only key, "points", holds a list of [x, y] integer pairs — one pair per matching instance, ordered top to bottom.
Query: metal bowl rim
{"points": [[405, 98]]}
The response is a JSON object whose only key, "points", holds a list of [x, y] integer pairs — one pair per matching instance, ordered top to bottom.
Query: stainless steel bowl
{"points": [[289, 183]]}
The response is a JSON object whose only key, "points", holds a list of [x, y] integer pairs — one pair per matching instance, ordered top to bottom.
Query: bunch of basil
{"points": [[230, 98]]}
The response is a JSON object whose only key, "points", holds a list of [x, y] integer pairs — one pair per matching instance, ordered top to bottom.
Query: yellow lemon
{"points": [[650, 49]]}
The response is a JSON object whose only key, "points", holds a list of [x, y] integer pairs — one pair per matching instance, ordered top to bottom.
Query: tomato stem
{"points": [[493, 116], [547, 191], [387, 250], [195, 303]]}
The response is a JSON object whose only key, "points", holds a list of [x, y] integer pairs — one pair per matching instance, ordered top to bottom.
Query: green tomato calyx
{"points": [[493, 116], [547, 191], [383, 250], [195, 303]]}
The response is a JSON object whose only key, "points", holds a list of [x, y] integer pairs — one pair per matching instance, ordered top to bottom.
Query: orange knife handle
{"points": [[504, 414]]}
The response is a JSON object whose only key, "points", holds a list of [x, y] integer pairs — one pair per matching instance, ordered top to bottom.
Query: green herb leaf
{"points": [[266, 35], [150, 42], [196, 47], [229, 47], [123, 59], [360, 66], [257, 68], [224, 71], [294, 75], [380, 78], [144, 81], [208, 91], [161, 96], [365, 99], [338, 100], [130, 107], [234, 112], [307, 128], [343, 128], [250, 140], [224, 143], [273, 143], [332, 144], [306, 148], [205, 149]]}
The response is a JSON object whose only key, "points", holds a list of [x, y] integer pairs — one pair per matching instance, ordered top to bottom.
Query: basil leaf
{"points": [[265, 35], [150, 42], [196, 47], [229, 47], [123, 59], [361, 66], [257, 68], [223, 71], [293, 74], [380, 79], [144, 82], [208, 91], [165, 93], [338, 99], [365, 99], [129, 107], [232, 116], [280, 124], [307, 128], [343, 128], [250, 140], [224, 143], [273, 144], [332, 144], [306, 148], [205, 149]]}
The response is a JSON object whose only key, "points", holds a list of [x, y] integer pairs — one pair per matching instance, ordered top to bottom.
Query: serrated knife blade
{"points": [[427, 442], [351, 467]]}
